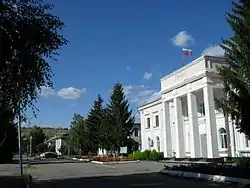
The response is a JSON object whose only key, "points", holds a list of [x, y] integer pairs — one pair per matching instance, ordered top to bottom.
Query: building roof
{"points": [[197, 60], [181, 69], [150, 102], [56, 137]]}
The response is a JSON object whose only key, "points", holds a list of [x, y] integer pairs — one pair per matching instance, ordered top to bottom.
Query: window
{"points": [[202, 109], [157, 121], [148, 122], [136, 132], [223, 138], [246, 141], [149, 143], [158, 144]]}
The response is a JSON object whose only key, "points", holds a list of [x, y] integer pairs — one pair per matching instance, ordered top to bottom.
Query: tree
{"points": [[30, 37], [236, 74], [120, 119], [94, 122], [8, 136], [38, 138], [78, 138], [52, 147], [41, 148]]}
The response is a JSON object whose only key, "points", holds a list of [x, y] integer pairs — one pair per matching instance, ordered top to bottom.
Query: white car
{"points": [[48, 155]]}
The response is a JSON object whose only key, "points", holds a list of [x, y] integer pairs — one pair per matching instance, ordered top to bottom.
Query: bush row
{"points": [[146, 155], [108, 159], [213, 169]]}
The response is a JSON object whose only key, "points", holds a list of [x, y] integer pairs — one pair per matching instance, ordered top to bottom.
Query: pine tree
{"points": [[236, 74], [120, 118], [94, 122]]}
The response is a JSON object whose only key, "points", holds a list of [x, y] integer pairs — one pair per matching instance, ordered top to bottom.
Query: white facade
{"points": [[184, 122]]}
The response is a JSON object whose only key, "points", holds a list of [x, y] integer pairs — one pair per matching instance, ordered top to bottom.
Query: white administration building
{"points": [[184, 122]]}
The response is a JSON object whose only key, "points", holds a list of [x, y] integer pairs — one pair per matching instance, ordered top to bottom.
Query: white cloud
{"points": [[182, 39], [213, 50], [128, 68], [147, 75], [47, 91], [65, 93], [70, 93], [140, 94], [24, 124]]}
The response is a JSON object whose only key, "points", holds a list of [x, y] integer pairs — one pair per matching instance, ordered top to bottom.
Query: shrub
{"points": [[146, 155], [243, 162]]}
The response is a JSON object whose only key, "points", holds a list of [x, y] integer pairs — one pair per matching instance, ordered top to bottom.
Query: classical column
{"points": [[193, 126], [211, 127], [167, 130], [232, 138], [143, 139], [229, 140], [180, 147]]}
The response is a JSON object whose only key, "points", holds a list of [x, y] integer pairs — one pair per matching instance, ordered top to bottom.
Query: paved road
{"points": [[76, 170], [88, 175]]}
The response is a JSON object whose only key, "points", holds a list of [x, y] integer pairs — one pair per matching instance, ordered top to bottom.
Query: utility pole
{"points": [[30, 138], [20, 144], [30, 145]]}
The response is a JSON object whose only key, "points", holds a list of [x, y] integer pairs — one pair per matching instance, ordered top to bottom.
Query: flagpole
{"points": [[183, 59]]}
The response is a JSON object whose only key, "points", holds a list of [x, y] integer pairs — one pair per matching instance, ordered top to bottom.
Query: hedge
{"points": [[146, 155]]}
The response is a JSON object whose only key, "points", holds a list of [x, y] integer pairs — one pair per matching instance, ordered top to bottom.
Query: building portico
{"points": [[190, 125]]}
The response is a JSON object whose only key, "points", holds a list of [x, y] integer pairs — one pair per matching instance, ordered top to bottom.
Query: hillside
{"points": [[49, 131]]}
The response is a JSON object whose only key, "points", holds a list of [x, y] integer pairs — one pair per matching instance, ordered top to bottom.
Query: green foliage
{"points": [[30, 37], [236, 74], [119, 118], [96, 126], [104, 128], [8, 135], [78, 135], [38, 137], [41, 148], [51, 148], [64, 149], [146, 155], [243, 162]]}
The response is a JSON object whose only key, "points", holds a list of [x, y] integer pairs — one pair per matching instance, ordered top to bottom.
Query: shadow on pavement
{"points": [[46, 161], [152, 180], [12, 181]]}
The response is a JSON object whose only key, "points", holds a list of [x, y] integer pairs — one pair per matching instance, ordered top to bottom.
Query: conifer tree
{"points": [[236, 74], [120, 118], [94, 122]]}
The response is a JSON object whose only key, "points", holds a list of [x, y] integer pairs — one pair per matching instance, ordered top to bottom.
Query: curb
{"points": [[83, 160], [114, 162], [209, 177]]}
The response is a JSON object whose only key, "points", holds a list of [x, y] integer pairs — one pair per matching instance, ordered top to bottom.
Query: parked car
{"points": [[49, 155]]}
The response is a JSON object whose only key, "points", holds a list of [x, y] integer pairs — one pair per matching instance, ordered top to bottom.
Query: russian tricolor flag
{"points": [[187, 52]]}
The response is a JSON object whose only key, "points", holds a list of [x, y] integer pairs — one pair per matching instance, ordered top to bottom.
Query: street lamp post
{"points": [[30, 138], [20, 144]]}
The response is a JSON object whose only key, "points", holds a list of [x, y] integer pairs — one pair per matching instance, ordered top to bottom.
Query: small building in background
{"points": [[136, 136], [59, 141]]}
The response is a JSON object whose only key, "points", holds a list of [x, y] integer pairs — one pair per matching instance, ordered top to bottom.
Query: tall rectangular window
{"points": [[202, 109], [157, 121], [148, 122], [136, 132], [247, 141]]}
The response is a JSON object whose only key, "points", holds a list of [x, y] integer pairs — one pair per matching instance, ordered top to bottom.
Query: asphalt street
{"points": [[88, 175]]}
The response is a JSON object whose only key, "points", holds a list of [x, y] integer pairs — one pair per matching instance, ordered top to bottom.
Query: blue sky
{"points": [[135, 42]]}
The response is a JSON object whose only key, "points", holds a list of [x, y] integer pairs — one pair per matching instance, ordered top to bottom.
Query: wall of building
{"points": [[152, 132]]}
